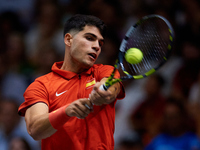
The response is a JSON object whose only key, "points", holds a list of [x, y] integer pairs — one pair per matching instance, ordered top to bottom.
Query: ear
{"points": [[67, 39]]}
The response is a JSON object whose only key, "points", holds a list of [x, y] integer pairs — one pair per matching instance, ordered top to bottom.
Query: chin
{"points": [[88, 65]]}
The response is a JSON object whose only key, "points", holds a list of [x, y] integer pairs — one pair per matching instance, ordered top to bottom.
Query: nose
{"points": [[96, 46]]}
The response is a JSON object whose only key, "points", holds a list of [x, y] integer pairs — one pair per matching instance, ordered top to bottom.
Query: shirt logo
{"points": [[90, 83], [58, 94]]}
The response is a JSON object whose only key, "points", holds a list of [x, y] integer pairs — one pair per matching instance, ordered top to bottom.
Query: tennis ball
{"points": [[133, 56]]}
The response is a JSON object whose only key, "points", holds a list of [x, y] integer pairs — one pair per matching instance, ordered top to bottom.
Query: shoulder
{"points": [[48, 77], [43, 83]]}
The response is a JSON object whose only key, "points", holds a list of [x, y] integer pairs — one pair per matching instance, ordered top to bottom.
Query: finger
{"points": [[104, 94], [95, 98], [90, 99], [89, 104], [86, 105], [79, 110], [85, 111], [79, 113]]}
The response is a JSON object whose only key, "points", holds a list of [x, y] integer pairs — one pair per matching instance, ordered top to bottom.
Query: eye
{"points": [[89, 38], [101, 43]]}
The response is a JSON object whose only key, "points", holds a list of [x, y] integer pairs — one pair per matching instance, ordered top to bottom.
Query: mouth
{"points": [[93, 56]]}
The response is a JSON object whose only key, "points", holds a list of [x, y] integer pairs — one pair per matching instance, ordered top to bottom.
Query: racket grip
{"points": [[103, 87]]}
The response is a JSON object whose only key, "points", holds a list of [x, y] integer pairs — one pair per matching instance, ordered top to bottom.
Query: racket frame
{"points": [[119, 62]]}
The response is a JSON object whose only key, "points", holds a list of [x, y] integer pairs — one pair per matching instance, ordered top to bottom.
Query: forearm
{"points": [[37, 121], [42, 124], [39, 127]]}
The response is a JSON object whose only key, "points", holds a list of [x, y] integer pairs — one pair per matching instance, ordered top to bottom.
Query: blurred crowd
{"points": [[159, 112]]}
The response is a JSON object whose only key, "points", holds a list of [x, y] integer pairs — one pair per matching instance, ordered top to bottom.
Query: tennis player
{"points": [[65, 108]]}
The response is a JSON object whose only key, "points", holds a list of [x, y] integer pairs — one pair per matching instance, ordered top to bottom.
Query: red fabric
{"points": [[60, 88]]}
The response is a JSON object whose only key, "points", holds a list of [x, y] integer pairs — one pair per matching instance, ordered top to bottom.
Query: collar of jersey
{"points": [[66, 74]]}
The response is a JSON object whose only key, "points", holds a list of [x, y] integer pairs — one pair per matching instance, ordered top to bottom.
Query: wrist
{"points": [[58, 117]]}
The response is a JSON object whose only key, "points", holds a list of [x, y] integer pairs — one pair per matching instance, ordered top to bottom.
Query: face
{"points": [[85, 47], [152, 87], [8, 116], [172, 118], [17, 144]]}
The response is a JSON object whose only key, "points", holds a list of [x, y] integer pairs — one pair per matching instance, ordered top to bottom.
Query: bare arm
{"points": [[99, 97], [37, 117], [37, 121]]}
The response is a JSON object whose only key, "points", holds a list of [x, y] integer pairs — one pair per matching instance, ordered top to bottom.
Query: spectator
{"points": [[23, 8], [9, 22], [45, 30], [15, 52], [46, 56], [3, 69], [187, 74], [14, 81], [134, 97], [194, 103], [139, 114], [147, 118], [10, 125], [175, 133], [19, 144], [130, 144]]}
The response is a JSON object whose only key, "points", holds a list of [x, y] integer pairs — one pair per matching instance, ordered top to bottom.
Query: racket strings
{"points": [[152, 38]]}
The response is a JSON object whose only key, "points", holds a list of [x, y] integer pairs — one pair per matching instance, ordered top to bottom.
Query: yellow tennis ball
{"points": [[133, 56]]}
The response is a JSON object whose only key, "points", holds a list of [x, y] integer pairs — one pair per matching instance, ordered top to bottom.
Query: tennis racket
{"points": [[154, 36]]}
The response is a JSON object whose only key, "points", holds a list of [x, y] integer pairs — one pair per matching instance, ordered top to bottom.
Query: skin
{"points": [[81, 51]]}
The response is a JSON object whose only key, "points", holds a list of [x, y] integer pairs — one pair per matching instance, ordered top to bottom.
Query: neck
{"points": [[72, 66]]}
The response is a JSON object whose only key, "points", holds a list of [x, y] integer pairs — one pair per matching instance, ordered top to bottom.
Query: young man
{"points": [[65, 108]]}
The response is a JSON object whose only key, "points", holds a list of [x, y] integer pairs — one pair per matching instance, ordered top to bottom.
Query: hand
{"points": [[99, 97], [79, 108]]}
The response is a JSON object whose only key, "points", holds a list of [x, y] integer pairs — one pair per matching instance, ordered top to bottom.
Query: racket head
{"points": [[154, 36]]}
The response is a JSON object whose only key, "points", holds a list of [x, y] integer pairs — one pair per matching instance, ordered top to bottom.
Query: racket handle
{"points": [[103, 87]]}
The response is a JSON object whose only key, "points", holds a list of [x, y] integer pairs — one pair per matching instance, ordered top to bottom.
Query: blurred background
{"points": [[161, 112]]}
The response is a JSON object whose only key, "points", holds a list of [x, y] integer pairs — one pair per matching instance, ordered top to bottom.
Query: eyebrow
{"points": [[102, 40]]}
